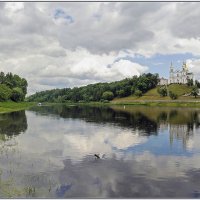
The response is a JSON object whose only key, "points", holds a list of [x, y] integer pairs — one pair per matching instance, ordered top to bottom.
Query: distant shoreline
{"points": [[149, 103], [6, 107]]}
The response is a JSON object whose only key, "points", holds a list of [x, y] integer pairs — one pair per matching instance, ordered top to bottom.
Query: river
{"points": [[144, 152]]}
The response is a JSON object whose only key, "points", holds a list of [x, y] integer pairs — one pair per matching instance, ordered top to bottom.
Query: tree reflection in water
{"points": [[12, 124]]}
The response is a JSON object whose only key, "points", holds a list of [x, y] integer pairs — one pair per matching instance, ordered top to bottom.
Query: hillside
{"points": [[136, 88], [102, 92], [152, 94]]}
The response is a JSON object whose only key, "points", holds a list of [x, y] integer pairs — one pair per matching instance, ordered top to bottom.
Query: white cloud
{"points": [[14, 6], [82, 41], [194, 66], [71, 68]]}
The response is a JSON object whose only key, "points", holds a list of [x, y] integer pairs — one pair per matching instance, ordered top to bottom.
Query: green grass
{"points": [[178, 89], [152, 92], [12, 106]]}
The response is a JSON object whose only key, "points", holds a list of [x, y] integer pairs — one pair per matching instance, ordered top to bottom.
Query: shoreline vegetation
{"points": [[136, 91], [148, 103], [15, 106], [6, 107]]}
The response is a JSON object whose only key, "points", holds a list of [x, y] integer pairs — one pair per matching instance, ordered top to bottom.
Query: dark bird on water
{"points": [[97, 156]]}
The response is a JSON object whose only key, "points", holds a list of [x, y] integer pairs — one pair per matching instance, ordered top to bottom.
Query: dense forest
{"points": [[12, 87], [100, 91]]}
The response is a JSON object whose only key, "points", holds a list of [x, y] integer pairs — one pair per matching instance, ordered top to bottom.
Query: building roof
{"points": [[163, 78]]}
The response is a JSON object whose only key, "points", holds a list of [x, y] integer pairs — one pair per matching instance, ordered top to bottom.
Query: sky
{"points": [[68, 44]]}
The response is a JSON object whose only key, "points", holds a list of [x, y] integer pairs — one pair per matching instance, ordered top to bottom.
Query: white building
{"points": [[178, 76], [163, 81]]}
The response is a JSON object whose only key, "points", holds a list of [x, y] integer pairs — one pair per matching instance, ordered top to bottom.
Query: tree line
{"points": [[12, 87], [100, 91]]}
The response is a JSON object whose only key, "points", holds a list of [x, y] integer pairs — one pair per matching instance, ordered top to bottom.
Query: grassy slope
{"points": [[152, 94], [12, 106]]}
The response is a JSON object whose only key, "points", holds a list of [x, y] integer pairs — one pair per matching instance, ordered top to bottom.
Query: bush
{"points": [[132, 89], [162, 91], [195, 91], [120, 93], [138, 93], [17, 94], [108, 95], [173, 95]]}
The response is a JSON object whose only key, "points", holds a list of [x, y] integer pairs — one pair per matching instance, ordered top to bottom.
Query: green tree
{"points": [[2, 77], [197, 83], [24, 85], [13, 87], [133, 89], [162, 91], [195, 91], [5, 92], [120, 93], [138, 93], [17, 94], [108, 95]]}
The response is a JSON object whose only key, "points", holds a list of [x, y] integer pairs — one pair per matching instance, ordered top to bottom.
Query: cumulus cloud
{"points": [[14, 6], [88, 42], [194, 67], [71, 68]]}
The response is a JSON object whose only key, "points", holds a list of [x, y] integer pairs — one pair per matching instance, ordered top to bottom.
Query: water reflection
{"points": [[103, 115], [180, 123], [12, 124], [149, 152], [128, 179]]}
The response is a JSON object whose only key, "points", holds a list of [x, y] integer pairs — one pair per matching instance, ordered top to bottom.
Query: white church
{"points": [[178, 76]]}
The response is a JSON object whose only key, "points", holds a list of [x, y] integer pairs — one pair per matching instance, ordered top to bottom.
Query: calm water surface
{"points": [[145, 152]]}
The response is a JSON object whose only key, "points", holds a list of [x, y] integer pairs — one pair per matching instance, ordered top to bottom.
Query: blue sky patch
{"points": [[59, 13], [160, 63]]}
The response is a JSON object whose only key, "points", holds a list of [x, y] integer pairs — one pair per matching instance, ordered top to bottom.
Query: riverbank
{"points": [[153, 103], [161, 103], [12, 106]]}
